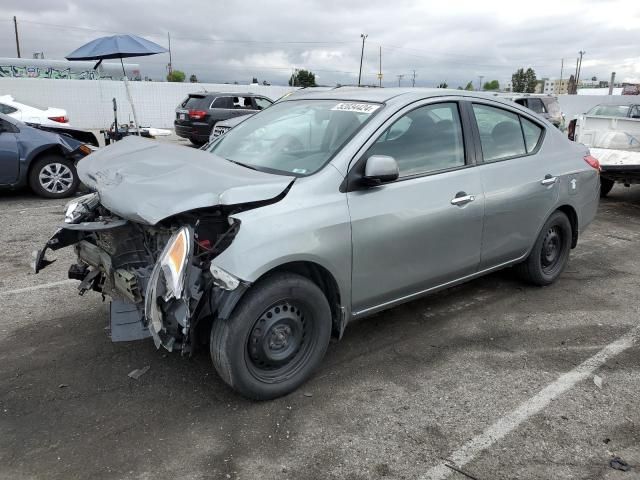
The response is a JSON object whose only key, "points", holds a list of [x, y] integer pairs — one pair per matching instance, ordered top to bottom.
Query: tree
{"points": [[175, 76], [193, 78], [302, 78], [255, 80], [531, 80], [524, 81], [443, 84], [492, 85], [469, 86]]}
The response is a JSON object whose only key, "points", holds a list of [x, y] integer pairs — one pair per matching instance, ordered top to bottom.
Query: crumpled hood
{"points": [[147, 181]]}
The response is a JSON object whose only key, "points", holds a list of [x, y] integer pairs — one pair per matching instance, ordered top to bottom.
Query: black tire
{"points": [[196, 142], [53, 176], [605, 186], [550, 254], [275, 338]]}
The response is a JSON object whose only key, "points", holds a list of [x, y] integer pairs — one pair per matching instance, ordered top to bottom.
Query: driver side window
{"points": [[424, 140]]}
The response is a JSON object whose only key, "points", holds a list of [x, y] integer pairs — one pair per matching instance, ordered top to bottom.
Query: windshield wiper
{"points": [[243, 164]]}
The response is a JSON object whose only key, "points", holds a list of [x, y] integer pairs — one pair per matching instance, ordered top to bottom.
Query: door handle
{"points": [[549, 180], [462, 199]]}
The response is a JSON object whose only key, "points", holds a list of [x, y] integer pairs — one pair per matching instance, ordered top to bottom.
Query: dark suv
{"points": [[199, 112]]}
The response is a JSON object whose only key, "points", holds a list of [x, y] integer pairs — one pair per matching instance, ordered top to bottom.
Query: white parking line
{"points": [[37, 287], [470, 450]]}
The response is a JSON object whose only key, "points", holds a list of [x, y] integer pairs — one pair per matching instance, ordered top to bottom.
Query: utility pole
{"points": [[15, 27], [364, 37], [579, 66], [169, 67], [380, 70], [561, 72], [400, 77], [413, 79], [613, 79], [480, 84]]}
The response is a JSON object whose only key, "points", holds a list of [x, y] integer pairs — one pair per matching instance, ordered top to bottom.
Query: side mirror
{"points": [[380, 169]]}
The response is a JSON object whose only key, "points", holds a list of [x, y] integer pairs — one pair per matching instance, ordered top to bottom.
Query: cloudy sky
{"points": [[455, 41]]}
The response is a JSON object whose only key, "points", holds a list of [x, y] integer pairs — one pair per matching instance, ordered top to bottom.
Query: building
{"points": [[64, 69], [555, 86]]}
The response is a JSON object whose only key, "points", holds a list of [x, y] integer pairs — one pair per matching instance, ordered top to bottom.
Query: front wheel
{"points": [[53, 176], [550, 253], [275, 338]]}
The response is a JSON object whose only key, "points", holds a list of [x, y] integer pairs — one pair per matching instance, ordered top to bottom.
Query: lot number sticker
{"points": [[356, 107]]}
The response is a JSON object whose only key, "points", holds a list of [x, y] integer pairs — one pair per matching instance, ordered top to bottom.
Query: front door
{"points": [[9, 158], [424, 229]]}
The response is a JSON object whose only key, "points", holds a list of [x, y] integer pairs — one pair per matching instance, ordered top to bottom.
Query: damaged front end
{"points": [[159, 277]]}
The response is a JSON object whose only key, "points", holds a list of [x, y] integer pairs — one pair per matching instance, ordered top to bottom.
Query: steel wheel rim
{"points": [[55, 178], [552, 250], [280, 342]]}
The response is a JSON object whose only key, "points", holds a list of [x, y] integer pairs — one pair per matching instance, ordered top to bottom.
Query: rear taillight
{"points": [[197, 114], [60, 119], [593, 162]]}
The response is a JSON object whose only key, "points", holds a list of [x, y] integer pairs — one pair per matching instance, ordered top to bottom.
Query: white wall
{"points": [[88, 102], [572, 105]]}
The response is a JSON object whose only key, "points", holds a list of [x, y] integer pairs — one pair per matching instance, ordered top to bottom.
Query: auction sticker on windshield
{"points": [[356, 107]]}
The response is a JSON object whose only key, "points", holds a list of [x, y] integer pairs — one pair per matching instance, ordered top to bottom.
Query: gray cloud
{"points": [[235, 41]]}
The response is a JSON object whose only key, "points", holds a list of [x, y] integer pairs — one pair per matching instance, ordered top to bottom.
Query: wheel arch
{"points": [[45, 150], [572, 215], [311, 270]]}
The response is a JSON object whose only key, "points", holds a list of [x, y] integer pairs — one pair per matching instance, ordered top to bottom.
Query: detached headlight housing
{"points": [[79, 207], [174, 260]]}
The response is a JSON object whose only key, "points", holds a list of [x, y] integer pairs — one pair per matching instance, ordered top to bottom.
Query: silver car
{"points": [[317, 211]]}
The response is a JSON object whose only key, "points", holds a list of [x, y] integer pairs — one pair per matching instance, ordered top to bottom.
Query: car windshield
{"points": [[609, 111], [294, 137]]}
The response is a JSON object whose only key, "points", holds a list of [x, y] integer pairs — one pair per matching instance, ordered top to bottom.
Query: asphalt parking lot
{"points": [[502, 380]]}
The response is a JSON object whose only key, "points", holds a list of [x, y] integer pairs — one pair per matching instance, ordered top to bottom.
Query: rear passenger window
{"points": [[222, 102], [536, 105], [500, 133], [532, 134], [424, 140]]}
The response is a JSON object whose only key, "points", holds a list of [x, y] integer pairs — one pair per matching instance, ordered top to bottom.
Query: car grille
{"points": [[217, 131]]}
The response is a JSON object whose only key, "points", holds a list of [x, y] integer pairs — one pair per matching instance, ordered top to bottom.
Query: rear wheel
{"points": [[53, 176], [605, 186], [550, 253], [275, 338]]}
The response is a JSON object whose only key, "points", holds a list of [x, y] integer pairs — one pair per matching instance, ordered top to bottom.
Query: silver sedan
{"points": [[318, 210]]}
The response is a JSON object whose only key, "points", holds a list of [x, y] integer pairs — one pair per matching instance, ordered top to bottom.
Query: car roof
{"points": [[226, 94], [384, 95]]}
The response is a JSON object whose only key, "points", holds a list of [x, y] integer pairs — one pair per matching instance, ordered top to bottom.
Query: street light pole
{"points": [[364, 37]]}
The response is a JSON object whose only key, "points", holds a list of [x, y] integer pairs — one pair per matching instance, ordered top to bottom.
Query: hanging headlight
{"points": [[76, 209], [174, 259]]}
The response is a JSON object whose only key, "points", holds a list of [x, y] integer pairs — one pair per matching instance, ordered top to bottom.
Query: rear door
{"points": [[9, 158], [519, 181], [424, 229]]}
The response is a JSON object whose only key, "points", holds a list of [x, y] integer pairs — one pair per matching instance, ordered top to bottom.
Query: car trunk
{"points": [[192, 103]]}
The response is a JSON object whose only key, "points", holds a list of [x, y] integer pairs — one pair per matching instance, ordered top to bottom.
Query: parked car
{"points": [[546, 106], [199, 112], [33, 114], [223, 126], [612, 133], [44, 161], [319, 210]]}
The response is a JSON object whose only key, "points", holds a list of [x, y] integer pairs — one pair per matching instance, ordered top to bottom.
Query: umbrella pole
{"points": [[133, 108]]}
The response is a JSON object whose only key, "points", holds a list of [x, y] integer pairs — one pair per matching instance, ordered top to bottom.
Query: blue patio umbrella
{"points": [[117, 46]]}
